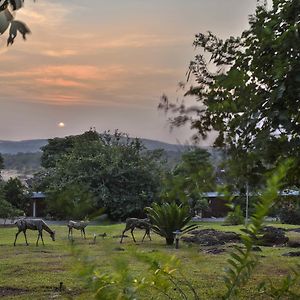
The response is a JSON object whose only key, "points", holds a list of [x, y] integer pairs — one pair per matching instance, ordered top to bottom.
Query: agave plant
{"points": [[168, 218]]}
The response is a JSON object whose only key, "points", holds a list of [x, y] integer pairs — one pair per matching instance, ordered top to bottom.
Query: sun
{"points": [[61, 124]]}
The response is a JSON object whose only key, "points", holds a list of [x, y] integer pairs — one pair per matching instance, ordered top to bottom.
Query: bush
{"points": [[289, 211], [169, 217], [235, 217]]}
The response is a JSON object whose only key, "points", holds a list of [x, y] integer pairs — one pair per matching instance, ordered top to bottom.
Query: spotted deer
{"points": [[132, 223], [33, 224], [77, 225]]}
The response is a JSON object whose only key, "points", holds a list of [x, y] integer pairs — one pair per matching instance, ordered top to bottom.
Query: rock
{"points": [[292, 254]]}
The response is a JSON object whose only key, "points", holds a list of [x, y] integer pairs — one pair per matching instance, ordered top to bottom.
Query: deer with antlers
{"points": [[132, 223], [33, 224]]}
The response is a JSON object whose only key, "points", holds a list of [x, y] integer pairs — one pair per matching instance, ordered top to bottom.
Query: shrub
{"points": [[289, 211], [169, 217], [235, 217]]}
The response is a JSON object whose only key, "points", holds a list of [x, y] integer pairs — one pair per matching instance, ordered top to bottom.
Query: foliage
{"points": [[7, 13], [251, 98], [1, 162], [24, 162], [117, 172], [190, 178], [16, 194], [73, 202], [7, 210], [289, 210], [169, 217], [235, 217], [242, 261], [122, 284]]}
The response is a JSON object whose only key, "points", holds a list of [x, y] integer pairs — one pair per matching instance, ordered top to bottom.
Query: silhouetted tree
{"points": [[249, 87]]}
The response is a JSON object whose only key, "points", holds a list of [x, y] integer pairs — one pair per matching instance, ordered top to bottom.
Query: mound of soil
{"points": [[272, 236], [211, 237], [214, 250], [292, 254], [11, 291]]}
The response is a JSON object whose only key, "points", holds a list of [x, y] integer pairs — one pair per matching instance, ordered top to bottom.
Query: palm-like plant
{"points": [[169, 217]]}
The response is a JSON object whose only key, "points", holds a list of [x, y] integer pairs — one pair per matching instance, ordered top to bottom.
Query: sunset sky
{"points": [[104, 64]]}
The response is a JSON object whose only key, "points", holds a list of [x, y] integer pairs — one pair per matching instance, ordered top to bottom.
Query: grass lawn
{"points": [[30, 272]]}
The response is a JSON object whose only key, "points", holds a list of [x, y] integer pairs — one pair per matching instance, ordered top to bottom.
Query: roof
{"points": [[38, 195]]}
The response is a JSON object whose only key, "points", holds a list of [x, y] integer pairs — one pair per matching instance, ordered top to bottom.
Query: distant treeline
{"points": [[23, 162]]}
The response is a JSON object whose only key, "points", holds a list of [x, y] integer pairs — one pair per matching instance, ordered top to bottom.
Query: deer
{"points": [[132, 223], [33, 224], [77, 225]]}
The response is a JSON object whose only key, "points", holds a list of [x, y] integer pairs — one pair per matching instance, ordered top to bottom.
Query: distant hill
{"points": [[27, 146], [32, 146], [23, 158]]}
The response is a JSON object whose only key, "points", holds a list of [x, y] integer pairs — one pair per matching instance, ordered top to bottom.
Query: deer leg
{"points": [[83, 230], [70, 231], [41, 234], [132, 234], [123, 235], [144, 235], [17, 237], [25, 237], [37, 241]]}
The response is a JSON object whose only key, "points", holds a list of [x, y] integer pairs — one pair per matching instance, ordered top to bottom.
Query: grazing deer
{"points": [[132, 223], [33, 224], [77, 225]]}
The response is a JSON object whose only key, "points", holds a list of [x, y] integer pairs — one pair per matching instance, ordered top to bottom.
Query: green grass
{"points": [[30, 272]]}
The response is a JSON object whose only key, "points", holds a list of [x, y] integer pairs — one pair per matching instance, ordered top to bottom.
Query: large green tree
{"points": [[249, 87], [117, 172], [191, 177], [16, 194]]}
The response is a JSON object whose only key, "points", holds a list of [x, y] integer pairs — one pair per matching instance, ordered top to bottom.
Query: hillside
{"points": [[32, 146]]}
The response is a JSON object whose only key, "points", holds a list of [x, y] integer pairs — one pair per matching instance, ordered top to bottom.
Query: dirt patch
{"points": [[272, 236], [211, 237], [292, 254], [11, 291]]}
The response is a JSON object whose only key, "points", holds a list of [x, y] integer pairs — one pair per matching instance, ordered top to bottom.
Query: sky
{"points": [[105, 64]]}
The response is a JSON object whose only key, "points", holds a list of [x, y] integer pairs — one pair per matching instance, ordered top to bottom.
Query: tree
{"points": [[252, 98], [1, 163], [116, 171], [193, 176], [15, 193]]}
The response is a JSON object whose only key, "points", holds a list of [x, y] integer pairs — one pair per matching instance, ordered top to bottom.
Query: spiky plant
{"points": [[169, 217]]}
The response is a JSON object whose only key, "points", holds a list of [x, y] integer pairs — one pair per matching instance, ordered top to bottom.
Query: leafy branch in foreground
{"points": [[243, 261], [121, 283], [284, 289]]}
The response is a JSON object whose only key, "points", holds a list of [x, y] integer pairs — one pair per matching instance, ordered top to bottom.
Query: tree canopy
{"points": [[248, 87], [116, 172]]}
